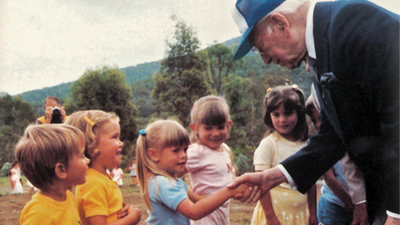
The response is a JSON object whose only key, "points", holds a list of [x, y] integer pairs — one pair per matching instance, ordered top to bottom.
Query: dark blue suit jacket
{"points": [[359, 43]]}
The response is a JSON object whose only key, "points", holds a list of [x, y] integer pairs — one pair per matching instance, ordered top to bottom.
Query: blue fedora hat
{"points": [[246, 14]]}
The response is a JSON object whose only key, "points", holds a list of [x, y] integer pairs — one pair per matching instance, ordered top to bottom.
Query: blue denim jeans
{"points": [[329, 213]]}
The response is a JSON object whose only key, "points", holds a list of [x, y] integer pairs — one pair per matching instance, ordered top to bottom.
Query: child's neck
{"points": [[288, 137], [219, 149], [99, 168], [58, 192]]}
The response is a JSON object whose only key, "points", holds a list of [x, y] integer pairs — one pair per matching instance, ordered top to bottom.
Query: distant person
{"points": [[54, 112], [285, 118], [52, 158], [161, 158], [210, 161], [133, 174], [117, 175], [15, 177], [100, 200]]}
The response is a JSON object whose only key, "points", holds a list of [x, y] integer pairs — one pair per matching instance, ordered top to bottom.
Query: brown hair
{"points": [[51, 98], [292, 98], [90, 121], [158, 135], [42, 147]]}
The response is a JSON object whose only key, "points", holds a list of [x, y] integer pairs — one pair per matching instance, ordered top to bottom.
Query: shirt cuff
{"points": [[293, 186], [360, 202], [394, 215]]}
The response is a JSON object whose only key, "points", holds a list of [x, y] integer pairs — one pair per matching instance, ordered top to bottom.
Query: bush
{"points": [[5, 169]]}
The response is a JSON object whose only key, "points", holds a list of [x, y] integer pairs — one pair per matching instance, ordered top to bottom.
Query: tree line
{"points": [[186, 73]]}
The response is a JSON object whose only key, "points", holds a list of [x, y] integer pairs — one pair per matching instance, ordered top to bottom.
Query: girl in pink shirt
{"points": [[210, 161]]}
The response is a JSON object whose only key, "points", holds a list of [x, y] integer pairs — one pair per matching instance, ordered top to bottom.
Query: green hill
{"points": [[133, 74]]}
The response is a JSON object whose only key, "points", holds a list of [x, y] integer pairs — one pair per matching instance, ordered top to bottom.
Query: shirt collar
{"points": [[310, 45]]}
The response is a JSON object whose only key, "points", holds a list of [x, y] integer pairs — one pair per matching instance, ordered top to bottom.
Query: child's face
{"points": [[316, 119], [284, 121], [212, 136], [109, 146], [172, 160], [78, 164]]}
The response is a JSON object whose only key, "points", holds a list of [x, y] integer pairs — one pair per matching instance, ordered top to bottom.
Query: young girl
{"points": [[284, 115], [161, 158], [209, 163], [132, 168], [117, 175], [16, 185], [99, 200]]}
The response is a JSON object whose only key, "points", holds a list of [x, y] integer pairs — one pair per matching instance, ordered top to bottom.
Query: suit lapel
{"points": [[322, 16]]}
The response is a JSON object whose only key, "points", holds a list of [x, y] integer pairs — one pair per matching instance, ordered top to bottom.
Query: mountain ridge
{"points": [[132, 74]]}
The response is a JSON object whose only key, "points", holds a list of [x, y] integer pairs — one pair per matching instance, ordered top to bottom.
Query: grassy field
{"points": [[11, 205]]}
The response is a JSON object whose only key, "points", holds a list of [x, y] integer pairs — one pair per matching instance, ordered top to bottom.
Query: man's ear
{"points": [[280, 21], [153, 154], [61, 171]]}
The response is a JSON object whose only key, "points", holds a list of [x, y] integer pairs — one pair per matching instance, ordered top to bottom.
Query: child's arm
{"points": [[338, 189], [195, 197], [207, 205], [312, 205], [268, 209], [132, 218]]}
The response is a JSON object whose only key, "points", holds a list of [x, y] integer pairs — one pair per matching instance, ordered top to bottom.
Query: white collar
{"points": [[310, 45]]}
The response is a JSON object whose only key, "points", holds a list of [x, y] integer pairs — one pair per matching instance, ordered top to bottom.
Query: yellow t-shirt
{"points": [[98, 196], [45, 210]]}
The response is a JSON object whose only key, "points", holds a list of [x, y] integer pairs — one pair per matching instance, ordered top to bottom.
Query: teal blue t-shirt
{"points": [[165, 200]]}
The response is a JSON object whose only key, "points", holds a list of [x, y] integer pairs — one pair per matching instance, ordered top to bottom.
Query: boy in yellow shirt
{"points": [[51, 156]]}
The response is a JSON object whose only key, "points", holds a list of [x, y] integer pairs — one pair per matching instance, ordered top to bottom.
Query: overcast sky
{"points": [[45, 42]]}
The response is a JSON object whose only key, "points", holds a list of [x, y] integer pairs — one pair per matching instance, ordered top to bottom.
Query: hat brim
{"points": [[245, 46]]}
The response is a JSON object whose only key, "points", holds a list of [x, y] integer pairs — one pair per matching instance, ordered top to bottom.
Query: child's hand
{"points": [[242, 189], [128, 210], [123, 212]]}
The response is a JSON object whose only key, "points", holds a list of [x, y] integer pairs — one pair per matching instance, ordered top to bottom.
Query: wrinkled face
{"points": [[282, 47], [284, 121], [212, 135], [109, 146], [172, 160], [78, 164]]}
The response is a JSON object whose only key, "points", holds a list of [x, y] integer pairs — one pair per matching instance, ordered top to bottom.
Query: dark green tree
{"points": [[221, 63], [183, 76], [105, 89], [15, 116]]}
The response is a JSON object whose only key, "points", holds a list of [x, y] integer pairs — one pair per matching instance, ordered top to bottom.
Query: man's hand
{"points": [[63, 113], [48, 114], [360, 216], [392, 221]]}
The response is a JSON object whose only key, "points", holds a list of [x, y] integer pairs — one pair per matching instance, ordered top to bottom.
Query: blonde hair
{"points": [[292, 98], [209, 110], [90, 121], [158, 135], [42, 147]]}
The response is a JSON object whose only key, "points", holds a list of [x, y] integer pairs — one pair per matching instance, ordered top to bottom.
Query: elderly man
{"points": [[352, 52]]}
